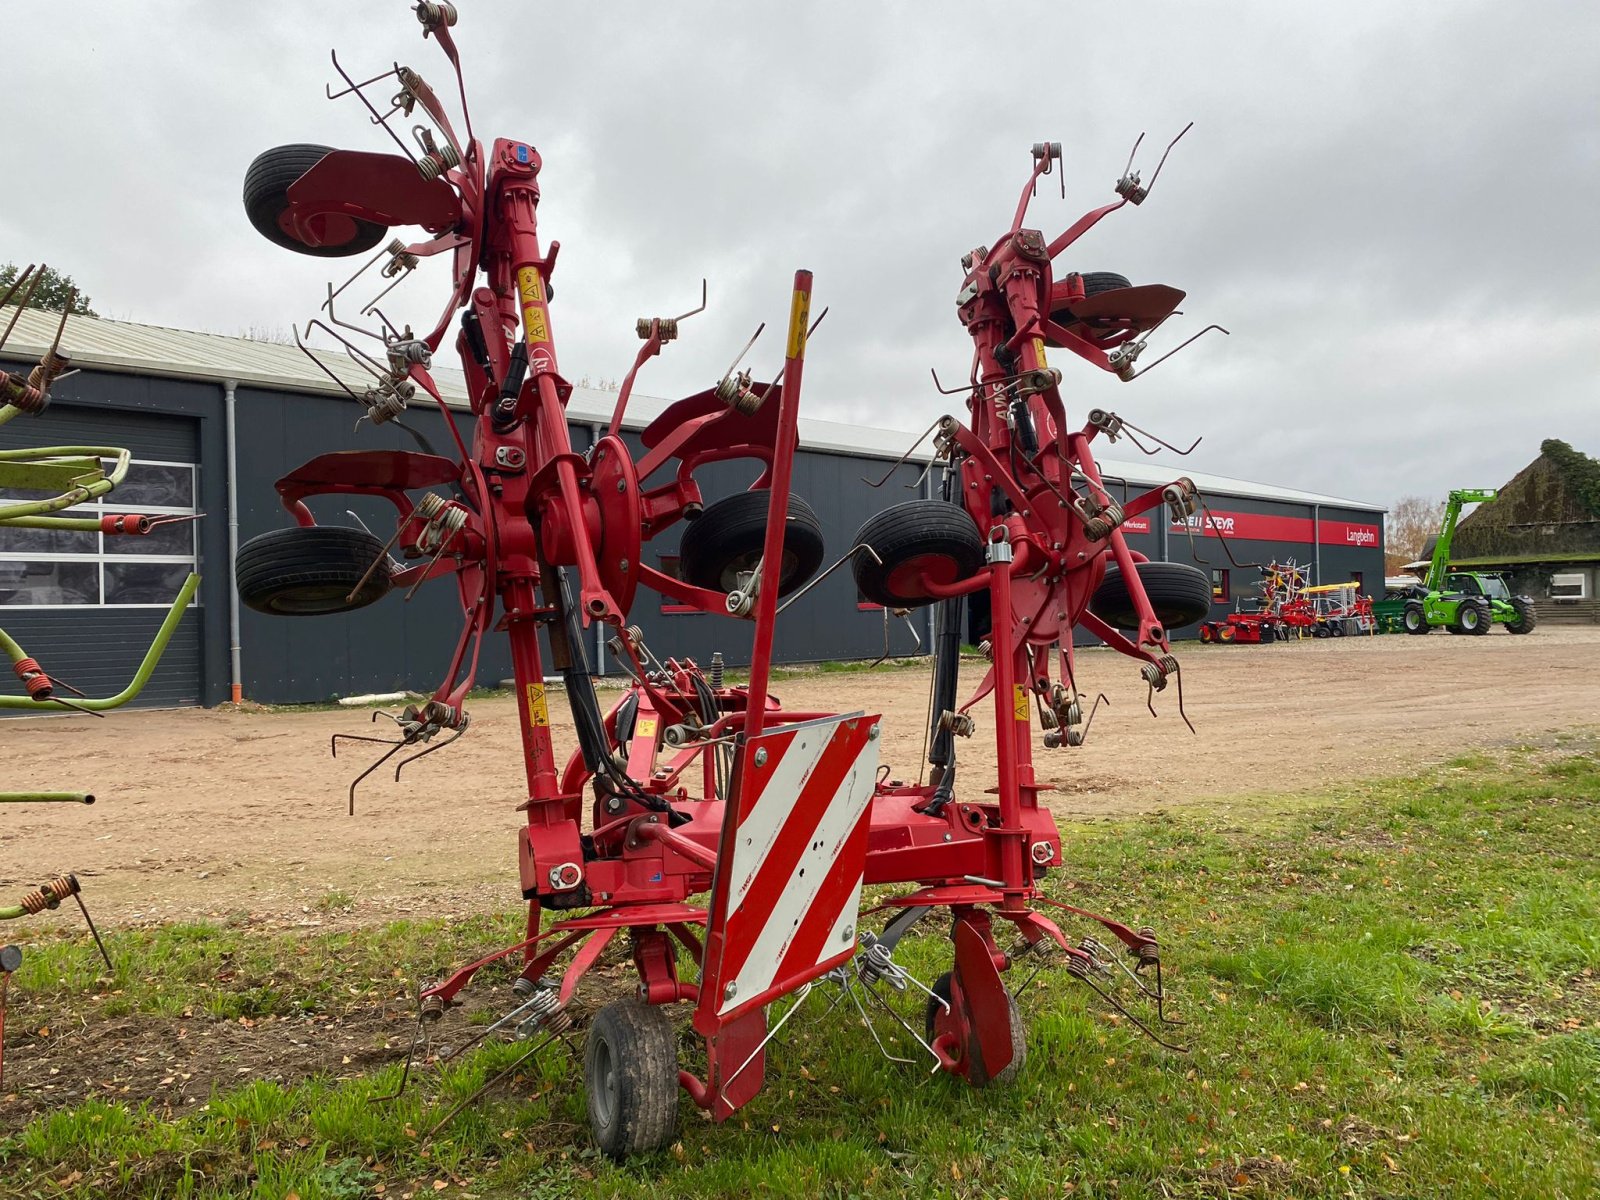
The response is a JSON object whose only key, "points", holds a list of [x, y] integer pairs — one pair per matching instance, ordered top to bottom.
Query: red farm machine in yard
{"points": [[727, 838]]}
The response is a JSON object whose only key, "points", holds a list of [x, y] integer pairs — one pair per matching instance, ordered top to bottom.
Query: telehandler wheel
{"points": [[266, 202], [730, 536], [932, 539], [311, 571], [1179, 594], [1470, 618], [1527, 618], [1414, 620], [1019, 1037], [630, 1078]]}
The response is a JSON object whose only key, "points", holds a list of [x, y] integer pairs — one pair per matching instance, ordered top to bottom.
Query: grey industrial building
{"points": [[86, 606]]}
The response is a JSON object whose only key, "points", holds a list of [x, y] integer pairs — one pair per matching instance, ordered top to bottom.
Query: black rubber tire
{"points": [[266, 197], [1095, 282], [918, 529], [730, 535], [309, 572], [1179, 594], [1485, 617], [1470, 618], [1414, 619], [1527, 619], [1336, 629], [1207, 634], [1268, 635], [1019, 1035], [630, 1079]]}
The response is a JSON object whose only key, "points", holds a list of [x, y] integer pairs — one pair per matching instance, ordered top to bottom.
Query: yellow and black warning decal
{"points": [[538, 709]]}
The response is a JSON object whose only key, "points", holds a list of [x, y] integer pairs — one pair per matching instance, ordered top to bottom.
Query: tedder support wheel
{"points": [[266, 202], [729, 536], [917, 540], [311, 571], [1179, 594], [1414, 620], [1526, 620], [1207, 634], [1019, 1039], [630, 1078]]}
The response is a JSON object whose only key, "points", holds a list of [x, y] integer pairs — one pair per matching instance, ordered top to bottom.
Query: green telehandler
{"points": [[1464, 601]]}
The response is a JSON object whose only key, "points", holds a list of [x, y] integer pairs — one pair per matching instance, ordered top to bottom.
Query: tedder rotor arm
{"points": [[29, 671]]}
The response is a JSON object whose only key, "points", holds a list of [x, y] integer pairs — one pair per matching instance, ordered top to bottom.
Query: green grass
{"points": [[1393, 991]]}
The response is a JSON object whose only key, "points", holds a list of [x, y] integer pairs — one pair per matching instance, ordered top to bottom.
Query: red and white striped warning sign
{"points": [[793, 852]]}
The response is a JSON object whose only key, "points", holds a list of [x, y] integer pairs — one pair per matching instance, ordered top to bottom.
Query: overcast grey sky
{"points": [[1394, 207]]}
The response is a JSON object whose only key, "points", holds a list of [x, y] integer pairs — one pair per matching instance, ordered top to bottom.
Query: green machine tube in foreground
{"points": [[141, 677]]}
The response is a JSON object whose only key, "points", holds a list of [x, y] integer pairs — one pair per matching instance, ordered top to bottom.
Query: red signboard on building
{"points": [[1268, 528]]}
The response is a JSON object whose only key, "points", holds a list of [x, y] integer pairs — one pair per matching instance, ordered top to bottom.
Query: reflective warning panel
{"points": [[787, 890]]}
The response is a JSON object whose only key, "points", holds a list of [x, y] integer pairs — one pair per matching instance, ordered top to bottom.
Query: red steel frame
{"points": [[530, 506]]}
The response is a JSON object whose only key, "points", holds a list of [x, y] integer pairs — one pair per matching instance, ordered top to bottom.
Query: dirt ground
{"points": [[212, 812]]}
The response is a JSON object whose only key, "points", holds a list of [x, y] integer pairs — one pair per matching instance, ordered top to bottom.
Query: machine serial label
{"points": [[1038, 350], [1019, 702], [538, 710], [646, 727]]}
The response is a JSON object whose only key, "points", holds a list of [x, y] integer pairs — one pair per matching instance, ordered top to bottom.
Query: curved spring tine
{"points": [[377, 117], [1136, 144], [1150, 187], [27, 277], [702, 308], [1146, 370], [1126, 424], [899, 462], [848, 554], [1178, 674], [398, 746], [405, 762], [800, 998], [1135, 1021], [903, 1023], [483, 1033], [405, 1073], [487, 1084]]}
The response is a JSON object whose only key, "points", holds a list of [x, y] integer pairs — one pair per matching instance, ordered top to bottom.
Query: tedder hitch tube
{"points": [[77, 494], [141, 676], [46, 798]]}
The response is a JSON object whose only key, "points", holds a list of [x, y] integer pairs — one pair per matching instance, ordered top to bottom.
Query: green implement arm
{"points": [[1440, 564]]}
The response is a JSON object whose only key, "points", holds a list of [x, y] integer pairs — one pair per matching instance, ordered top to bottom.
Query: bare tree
{"points": [[1411, 522]]}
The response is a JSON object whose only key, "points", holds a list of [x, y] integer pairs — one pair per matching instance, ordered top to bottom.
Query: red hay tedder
{"points": [[722, 834]]}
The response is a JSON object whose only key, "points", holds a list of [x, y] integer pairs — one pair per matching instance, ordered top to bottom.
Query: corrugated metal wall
{"points": [[395, 645]]}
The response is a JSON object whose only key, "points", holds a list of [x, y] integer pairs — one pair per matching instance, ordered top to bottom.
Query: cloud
{"points": [[1391, 206]]}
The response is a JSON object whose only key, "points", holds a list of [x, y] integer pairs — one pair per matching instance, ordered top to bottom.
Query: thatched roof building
{"points": [[1543, 529]]}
